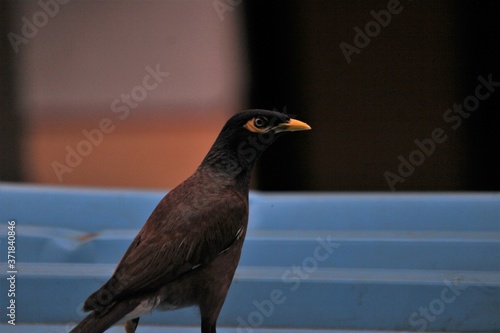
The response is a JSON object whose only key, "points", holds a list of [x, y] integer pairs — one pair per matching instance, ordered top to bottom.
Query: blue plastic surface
{"points": [[313, 261]]}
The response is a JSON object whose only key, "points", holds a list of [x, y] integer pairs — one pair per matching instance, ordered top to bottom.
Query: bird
{"points": [[188, 250]]}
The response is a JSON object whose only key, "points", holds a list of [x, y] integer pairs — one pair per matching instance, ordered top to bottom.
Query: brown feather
{"points": [[179, 236]]}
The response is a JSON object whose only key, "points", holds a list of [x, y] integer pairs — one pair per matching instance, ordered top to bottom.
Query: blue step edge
{"points": [[65, 328]]}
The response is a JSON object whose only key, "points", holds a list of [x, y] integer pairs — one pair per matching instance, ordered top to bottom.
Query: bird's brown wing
{"points": [[176, 239]]}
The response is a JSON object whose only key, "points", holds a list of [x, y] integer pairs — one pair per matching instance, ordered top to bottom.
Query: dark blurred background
{"points": [[374, 79]]}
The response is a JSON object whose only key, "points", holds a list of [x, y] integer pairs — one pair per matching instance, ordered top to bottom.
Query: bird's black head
{"points": [[245, 136]]}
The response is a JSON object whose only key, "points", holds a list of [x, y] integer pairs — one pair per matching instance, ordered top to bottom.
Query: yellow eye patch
{"points": [[250, 125]]}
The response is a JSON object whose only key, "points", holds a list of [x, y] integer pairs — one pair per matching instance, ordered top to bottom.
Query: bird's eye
{"points": [[260, 122]]}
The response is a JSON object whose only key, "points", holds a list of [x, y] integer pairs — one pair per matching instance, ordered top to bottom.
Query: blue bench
{"points": [[311, 261]]}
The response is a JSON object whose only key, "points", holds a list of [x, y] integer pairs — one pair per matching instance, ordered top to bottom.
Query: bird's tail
{"points": [[98, 322]]}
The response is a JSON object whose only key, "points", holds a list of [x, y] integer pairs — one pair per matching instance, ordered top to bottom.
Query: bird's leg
{"points": [[131, 325], [207, 326]]}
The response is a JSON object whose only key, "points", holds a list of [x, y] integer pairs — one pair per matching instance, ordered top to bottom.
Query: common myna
{"points": [[187, 251]]}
